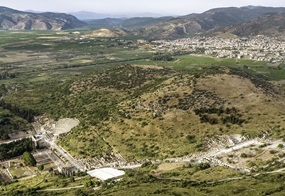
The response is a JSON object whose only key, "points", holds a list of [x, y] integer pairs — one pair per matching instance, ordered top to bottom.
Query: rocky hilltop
{"points": [[18, 20]]}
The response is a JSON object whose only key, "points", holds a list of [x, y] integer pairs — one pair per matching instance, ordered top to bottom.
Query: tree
{"points": [[191, 138], [280, 146], [243, 155], [29, 159], [202, 166], [41, 167], [88, 183]]}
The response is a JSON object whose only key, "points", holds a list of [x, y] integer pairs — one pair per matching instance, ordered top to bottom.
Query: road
{"points": [[14, 140], [228, 150], [68, 157], [130, 166], [61, 189]]}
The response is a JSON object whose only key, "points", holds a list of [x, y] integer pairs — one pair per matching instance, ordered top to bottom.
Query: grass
{"points": [[192, 61], [188, 62], [142, 136], [188, 171], [20, 172], [43, 181], [138, 182], [138, 185]]}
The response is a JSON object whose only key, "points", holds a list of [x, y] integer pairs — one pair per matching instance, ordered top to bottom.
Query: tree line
{"points": [[25, 113], [16, 148]]}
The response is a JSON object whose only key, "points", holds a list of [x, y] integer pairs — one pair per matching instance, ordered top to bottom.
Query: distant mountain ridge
{"points": [[86, 15], [17, 20], [209, 20], [243, 21], [127, 22], [272, 24], [175, 27]]}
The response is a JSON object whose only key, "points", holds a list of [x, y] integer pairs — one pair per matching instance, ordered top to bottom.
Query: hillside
{"points": [[232, 15], [211, 19], [17, 20], [126, 22], [272, 24], [170, 27], [108, 33], [169, 113], [176, 116], [193, 124]]}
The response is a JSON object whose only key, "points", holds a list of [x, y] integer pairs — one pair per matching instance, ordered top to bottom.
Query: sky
{"points": [[163, 7]]}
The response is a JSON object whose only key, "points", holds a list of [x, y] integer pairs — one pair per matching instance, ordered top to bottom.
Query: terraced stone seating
{"points": [[65, 125]]}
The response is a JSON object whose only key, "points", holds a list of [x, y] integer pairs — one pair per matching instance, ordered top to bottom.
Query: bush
{"points": [[144, 124], [191, 138], [280, 146], [273, 152], [243, 155], [148, 163], [202, 166], [41, 167], [88, 184]]}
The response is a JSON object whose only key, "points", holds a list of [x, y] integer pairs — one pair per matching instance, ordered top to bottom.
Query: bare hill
{"points": [[17, 20], [108, 33]]}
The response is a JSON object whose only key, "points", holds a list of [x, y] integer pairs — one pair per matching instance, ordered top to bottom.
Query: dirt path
{"points": [[61, 189]]}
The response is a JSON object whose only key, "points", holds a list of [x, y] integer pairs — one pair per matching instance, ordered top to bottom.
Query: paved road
{"points": [[14, 140], [228, 150], [68, 157], [130, 166]]}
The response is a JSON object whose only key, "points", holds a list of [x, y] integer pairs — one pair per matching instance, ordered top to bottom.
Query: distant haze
{"points": [[133, 7]]}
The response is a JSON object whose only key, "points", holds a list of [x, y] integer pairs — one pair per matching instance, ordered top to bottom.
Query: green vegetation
{"points": [[163, 57], [142, 105], [10, 123], [280, 146], [16, 148], [29, 159], [41, 167], [46, 180], [215, 181], [139, 182]]}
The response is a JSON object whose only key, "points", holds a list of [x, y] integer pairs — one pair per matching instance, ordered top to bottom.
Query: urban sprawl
{"points": [[259, 48]]}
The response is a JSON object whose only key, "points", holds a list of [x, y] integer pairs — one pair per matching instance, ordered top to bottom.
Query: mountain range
{"points": [[85, 15], [214, 19], [17, 20], [239, 21], [243, 21], [268, 24]]}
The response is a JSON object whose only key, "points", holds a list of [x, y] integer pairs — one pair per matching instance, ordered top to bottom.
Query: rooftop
{"points": [[106, 173]]}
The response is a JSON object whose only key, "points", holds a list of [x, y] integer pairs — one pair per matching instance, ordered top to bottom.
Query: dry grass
{"points": [[167, 133], [164, 167]]}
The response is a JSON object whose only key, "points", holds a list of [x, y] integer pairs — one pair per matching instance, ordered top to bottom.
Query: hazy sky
{"points": [[177, 7]]}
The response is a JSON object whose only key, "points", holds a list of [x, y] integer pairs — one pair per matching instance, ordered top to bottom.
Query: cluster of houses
{"points": [[259, 48]]}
